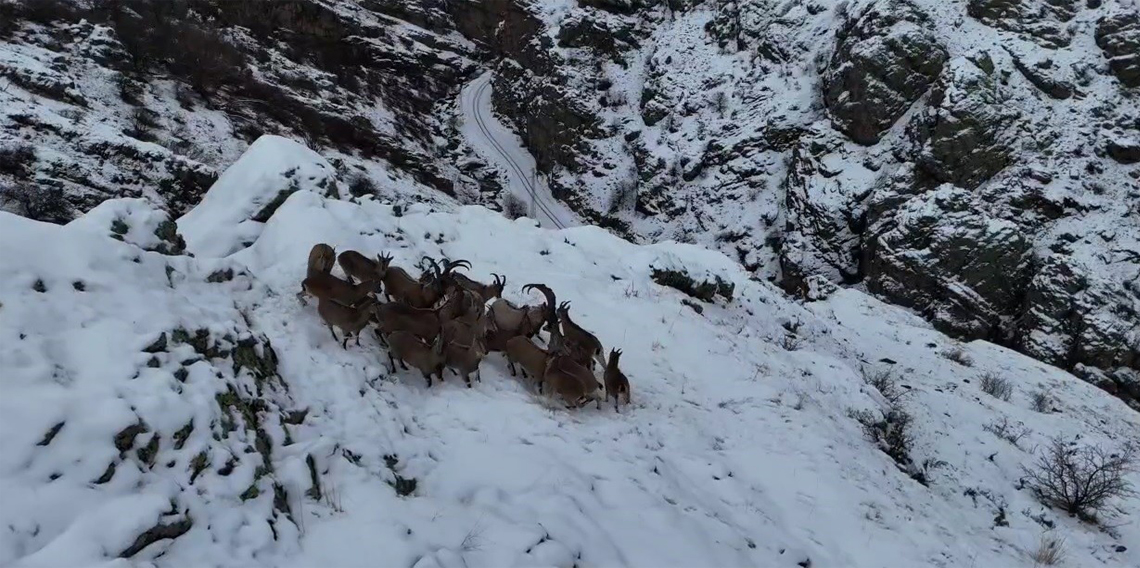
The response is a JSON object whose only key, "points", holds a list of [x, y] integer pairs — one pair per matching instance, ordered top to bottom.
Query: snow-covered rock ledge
{"points": [[189, 410]]}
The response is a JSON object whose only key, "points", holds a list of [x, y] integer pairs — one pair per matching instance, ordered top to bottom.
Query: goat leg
{"points": [[333, 332], [391, 363], [403, 365], [511, 366]]}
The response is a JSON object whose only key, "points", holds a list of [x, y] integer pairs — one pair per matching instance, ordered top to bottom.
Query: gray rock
{"points": [[1043, 21], [1119, 37], [885, 58], [962, 135], [1123, 150], [943, 255], [1073, 318]]}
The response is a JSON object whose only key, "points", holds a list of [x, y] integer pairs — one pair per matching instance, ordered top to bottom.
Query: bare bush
{"points": [[16, 159], [360, 185], [624, 196], [46, 203], [514, 207], [887, 384], [996, 387], [1042, 402], [1008, 431], [890, 432], [1082, 480], [1050, 550]]}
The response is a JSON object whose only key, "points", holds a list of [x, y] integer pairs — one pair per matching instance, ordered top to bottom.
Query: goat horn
{"points": [[453, 264], [551, 302]]}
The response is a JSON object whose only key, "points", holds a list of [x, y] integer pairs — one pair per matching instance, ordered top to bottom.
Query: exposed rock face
{"points": [[1043, 21], [1119, 37], [885, 58], [149, 98], [962, 135], [823, 221], [964, 270], [1072, 319]]}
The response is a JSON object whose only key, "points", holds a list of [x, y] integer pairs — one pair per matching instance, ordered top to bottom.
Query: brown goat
{"points": [[321, 260], [356, 266], [400, 285], [327, 286], [485, 291], [394, 316], [349, 319], [508, 320], [582, 344], [409, 349], [463, 351], [532, 358], [570, 380], [617, 386]]}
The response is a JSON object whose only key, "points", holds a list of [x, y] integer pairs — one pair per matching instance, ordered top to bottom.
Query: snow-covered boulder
{"points": [[1118, 36], [233, 211], [136, 221]]}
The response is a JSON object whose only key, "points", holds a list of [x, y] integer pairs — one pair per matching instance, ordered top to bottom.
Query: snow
{"points": [[497, 143], [272, 166], [737, 450]]}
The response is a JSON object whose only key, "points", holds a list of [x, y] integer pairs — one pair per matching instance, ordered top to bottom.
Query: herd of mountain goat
{"points": [[441, 320]]}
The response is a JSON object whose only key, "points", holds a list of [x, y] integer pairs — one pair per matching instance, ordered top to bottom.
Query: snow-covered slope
{"points": [[189, 410]]}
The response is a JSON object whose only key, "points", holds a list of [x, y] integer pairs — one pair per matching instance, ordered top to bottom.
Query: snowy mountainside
{"points": [[974, 160], [165, 409]]}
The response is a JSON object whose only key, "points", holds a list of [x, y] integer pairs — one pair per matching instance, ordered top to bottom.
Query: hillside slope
{"points": [[180, 409]]}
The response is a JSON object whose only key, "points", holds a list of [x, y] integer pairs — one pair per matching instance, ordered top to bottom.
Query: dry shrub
{"points": [[1084, 481]]}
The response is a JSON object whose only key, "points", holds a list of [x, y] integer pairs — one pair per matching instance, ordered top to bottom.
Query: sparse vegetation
{"points": [[16, 159], [360, 185], [624, 196], [43, 203], [513, 206], [704, 290], [959, 356], [887, 384], [996, 386], [1042, 402], [890, 431], [1008, 431], [1083, 481], [1050, 550]]}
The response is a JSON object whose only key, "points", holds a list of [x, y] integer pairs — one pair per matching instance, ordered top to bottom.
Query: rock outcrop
{"points": [[1119, 37], [885, 58], [964, 270]]}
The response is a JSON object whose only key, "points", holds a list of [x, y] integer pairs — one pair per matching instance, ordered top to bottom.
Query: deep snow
{"points": [[737, 451]]}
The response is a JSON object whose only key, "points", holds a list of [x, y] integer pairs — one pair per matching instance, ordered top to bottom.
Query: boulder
{"points": [[885, 58]]}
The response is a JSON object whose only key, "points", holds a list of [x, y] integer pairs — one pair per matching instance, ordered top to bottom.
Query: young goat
{"points": [[349, 319], [409, 349], [616, 383]]}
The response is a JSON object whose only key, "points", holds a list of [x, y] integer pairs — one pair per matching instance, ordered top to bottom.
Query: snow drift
{"points": [[189, 410]]}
